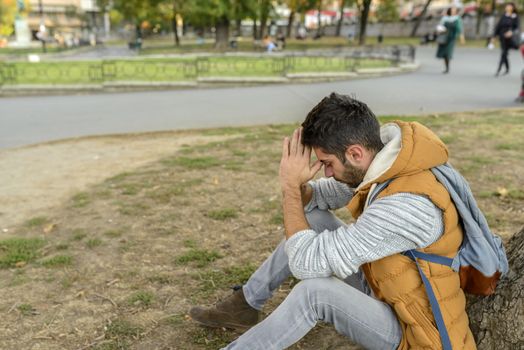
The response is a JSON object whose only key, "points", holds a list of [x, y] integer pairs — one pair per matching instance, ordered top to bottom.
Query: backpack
{"points": [[481, 259]]}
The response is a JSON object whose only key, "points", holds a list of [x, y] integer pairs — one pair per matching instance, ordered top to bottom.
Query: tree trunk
{"points": [[264, 14], [480, 17], [420, 18], [319, 19], [341, 19], [290, 21], [363, 22], [175, 26], [239, 27], [255, 29], [222, 33], [497, 321]]}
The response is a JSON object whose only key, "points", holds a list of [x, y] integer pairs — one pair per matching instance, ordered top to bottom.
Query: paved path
{"points": [[470, 86]]}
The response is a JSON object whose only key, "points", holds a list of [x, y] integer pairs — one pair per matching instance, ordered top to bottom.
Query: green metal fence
{"points": [[191, 68]]}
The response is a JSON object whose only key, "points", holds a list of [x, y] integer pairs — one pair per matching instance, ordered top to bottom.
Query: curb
{"points": [[204, 82]]}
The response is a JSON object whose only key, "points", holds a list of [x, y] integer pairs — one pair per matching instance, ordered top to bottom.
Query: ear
{"points": [[355, 154]]}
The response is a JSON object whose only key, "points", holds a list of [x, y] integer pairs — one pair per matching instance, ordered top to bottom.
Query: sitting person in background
{"points": [[269, 44]]}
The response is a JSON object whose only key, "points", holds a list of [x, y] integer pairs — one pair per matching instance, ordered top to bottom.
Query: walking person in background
{"points": [[449, 28], [508, 32]]}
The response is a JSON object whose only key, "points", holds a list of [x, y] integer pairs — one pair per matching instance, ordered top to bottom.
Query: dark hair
{"points": [[513, 6], [448, 12], [339, 121]]}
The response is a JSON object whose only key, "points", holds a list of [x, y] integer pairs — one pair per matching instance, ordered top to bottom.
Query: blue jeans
{"points": [[348, 305]]}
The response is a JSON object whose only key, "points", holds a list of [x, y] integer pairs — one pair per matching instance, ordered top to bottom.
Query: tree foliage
{"points": [[8, 11], [134, 11], [387, 11]]}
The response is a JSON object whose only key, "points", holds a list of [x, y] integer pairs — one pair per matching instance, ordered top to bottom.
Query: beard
{"points": [[352, 176]]}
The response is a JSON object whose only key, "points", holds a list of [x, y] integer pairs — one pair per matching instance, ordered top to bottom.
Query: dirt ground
{"points": [[35, 179], [107, 242]]}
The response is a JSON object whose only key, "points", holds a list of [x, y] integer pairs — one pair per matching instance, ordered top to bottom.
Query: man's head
{"points": [[345, 136]]}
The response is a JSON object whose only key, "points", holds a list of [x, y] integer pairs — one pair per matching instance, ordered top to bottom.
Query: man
{"points": [[353, 276]]}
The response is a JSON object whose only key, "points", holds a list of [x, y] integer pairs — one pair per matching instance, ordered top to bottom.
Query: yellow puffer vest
{"points": [[395, 279]]}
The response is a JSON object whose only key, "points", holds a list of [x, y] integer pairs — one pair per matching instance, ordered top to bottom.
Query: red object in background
{"points": [[521, 95]]}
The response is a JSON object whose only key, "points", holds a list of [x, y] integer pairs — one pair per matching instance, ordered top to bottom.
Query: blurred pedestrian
{"points": [[449, 28], [508, 32], [269, 44]]}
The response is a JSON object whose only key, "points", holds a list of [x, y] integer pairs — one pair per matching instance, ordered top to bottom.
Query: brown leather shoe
{"points": [[233, 312]]}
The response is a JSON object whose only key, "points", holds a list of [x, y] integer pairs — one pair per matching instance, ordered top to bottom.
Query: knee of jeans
{"points": [[314, 287]]}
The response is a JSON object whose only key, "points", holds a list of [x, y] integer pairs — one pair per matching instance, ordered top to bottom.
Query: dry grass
{"points": [[119, 265]]}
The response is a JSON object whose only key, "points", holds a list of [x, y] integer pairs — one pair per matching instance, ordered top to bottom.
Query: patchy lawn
{"points": [[118, 266]]}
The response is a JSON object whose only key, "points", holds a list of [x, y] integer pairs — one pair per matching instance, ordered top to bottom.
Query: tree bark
{"points": [[264, 14], [480, 17], [420, 18], [319, 19], [341, 19], [290, 21], [363, 22], [175, 26], [238, 27], [255, 29], [222, 33], [497, 321]]}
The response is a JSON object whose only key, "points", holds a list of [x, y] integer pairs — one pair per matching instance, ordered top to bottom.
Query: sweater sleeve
{"points": [[329, 194], [390, 225]]}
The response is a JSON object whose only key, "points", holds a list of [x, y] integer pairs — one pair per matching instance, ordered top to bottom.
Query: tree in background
{"points": [[342, 4], [363, 6], [265, 7], [297, 7], [243, 9], [8, 11], [172, 11], [387, 11], [138, 12], [212, 13], [219, 13], [420, 18], [320, 30]]}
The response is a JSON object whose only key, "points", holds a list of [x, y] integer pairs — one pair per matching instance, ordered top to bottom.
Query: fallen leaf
{"points": [[502, 191], [49, 228]]}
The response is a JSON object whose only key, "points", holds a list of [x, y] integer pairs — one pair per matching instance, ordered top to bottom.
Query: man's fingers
{"points": [[293, 144], [300, 145], [285, 147], [307, 152]]}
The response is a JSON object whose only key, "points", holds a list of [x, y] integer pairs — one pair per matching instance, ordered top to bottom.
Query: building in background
{"points": [[68, 22]]}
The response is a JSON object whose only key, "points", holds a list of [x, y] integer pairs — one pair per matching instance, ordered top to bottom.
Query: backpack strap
{"points": [[437, 259], [437, 314]]}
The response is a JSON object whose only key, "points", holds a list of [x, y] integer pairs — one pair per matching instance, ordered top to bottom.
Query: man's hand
{"points": [[295, 168]]}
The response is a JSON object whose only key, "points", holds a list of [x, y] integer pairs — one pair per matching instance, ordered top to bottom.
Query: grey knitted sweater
{"points": [[390, 225]]}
